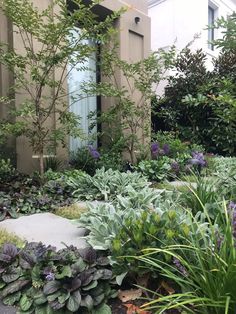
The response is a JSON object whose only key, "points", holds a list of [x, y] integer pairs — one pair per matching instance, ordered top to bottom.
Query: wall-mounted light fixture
{"points": [[137, 19]]}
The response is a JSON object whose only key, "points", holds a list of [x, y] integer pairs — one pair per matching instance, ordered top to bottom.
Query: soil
{"points": [[118, 307]]}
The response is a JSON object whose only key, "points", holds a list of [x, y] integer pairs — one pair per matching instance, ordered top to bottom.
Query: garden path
{"points": [[47, 228], [7, 309]]}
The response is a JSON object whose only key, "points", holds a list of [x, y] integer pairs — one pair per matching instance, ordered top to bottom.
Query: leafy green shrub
{"points": [[199, 105], [176, 146], [83, 160], [89, 160], [110, 160], [53, 163], [222, 164], [166, 168], [6, 169], [155, 170], [224, 170], [51, 175], [106, 185], [205, 194], [25, 195], [147, 198], [6, 208], [73, 211], [104, 221], [147, 230], [7, 237], [203, 270], [42, 280]]}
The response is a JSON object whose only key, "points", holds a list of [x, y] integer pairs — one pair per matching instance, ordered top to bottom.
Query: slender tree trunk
{"points": [[41, 163]]}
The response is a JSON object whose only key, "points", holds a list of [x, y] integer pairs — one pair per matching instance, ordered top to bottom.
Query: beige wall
{"points": [[134, 45], [6, 79]]}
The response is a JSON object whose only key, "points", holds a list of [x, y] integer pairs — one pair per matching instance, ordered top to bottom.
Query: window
{"points": [[211, 31], [84, 106]]}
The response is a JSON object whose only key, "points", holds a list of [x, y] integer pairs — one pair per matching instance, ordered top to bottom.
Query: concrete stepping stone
{"points": [[47, 228], [7, 309]]}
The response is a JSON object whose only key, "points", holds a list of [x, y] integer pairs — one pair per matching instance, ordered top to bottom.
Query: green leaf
{"points": [[79, 266], [66, 272], [36, 273], [104, 274], [11, 276], [120, 278], [2, 285], [92, 285], [14, 287], [51, 287], [54, 296], [63, 297], [12, 298], [40, 298], [99, 299], [74, 301], [87, 302], [25, 303], [103, 309], [44, 310]]}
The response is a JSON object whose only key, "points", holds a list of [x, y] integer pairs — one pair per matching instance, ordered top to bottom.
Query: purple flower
{"points": [[155, 149], [166, 149], [93, 152], [197, 159], [175, 166], [232, 205], [232, 214], [234, 223], [219, 239], [180, 267], [50, 277]]}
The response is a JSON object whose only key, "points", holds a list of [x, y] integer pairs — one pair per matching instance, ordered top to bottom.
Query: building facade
{"points": [[180, 22], [133, 31]]}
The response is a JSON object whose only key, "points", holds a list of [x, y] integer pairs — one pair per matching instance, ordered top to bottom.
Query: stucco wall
{"points": [[176, 22], [6, 79]]}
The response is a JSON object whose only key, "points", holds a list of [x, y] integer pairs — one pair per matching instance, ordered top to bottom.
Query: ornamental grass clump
{"points": [[204, 270]]}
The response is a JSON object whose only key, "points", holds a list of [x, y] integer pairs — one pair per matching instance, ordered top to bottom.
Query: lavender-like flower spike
{"points": [[155, 149], [166, 149], [93, 152], [197, 159], [175, 166], [232, 205], [232, 215], [234, 224], [219, 239], [180, 267]]}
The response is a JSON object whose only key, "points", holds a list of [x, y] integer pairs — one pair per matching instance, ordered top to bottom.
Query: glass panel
{"points": [[211, 18], [84, 105]]}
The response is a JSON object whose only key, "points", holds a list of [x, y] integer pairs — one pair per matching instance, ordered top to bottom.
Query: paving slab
{"points": [[47, 228], [7, 309]]}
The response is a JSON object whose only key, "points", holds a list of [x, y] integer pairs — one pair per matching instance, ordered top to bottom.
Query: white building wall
{"points": [[178, 21]]}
